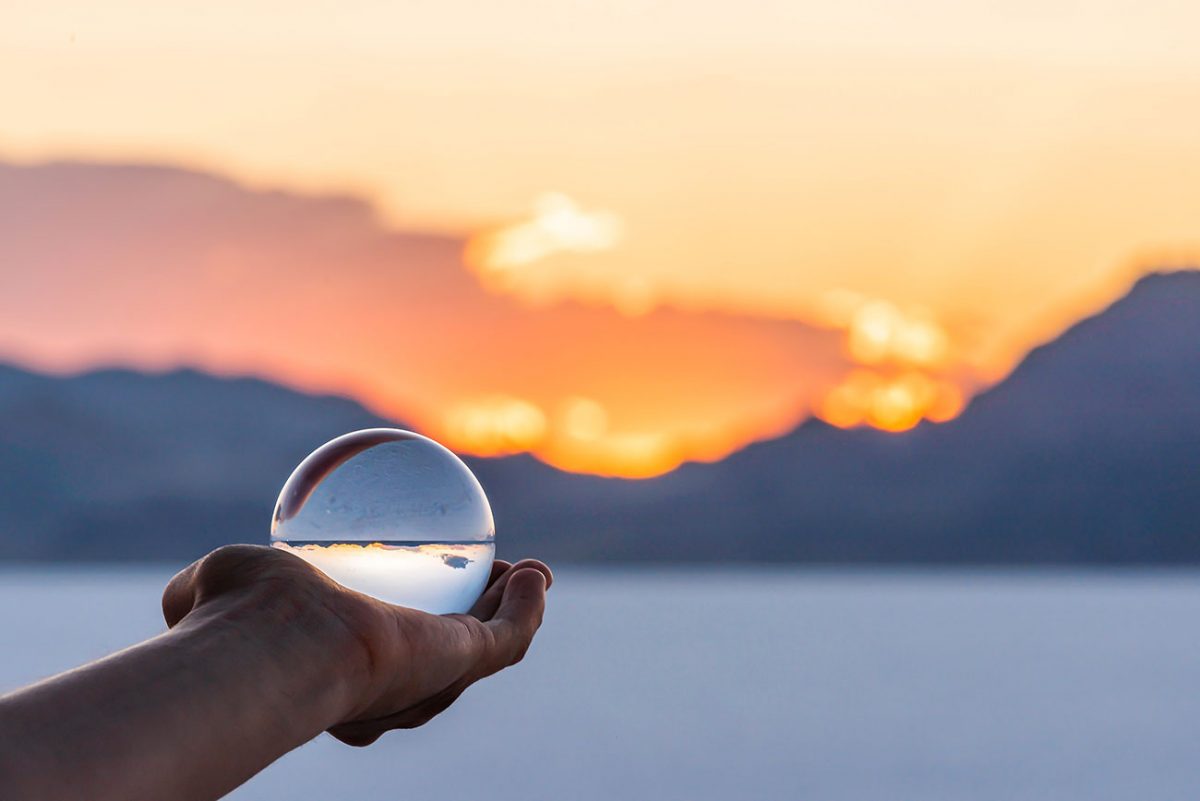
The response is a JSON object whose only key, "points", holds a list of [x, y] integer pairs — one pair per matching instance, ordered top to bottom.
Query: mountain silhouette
{"points": [[1089, 452]]}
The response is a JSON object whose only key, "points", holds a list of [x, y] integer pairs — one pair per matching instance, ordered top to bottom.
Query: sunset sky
{"points": [[617, 234]]}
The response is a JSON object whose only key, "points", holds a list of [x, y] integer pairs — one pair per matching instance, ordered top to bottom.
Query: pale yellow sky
{"points": [[1000, 165]]}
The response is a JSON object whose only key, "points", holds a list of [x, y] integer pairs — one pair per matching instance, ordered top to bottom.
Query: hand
{"points": [[401, 666]]}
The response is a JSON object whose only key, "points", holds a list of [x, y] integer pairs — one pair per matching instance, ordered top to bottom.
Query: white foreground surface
{"points": [[438, 578], [755, 685]]}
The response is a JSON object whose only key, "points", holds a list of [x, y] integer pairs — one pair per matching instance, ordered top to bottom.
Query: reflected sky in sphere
{"points": [[391, 514]]}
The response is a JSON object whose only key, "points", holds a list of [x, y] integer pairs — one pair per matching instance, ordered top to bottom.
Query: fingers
{"points": [[499, 567], [489, 602], [482, 607], [518, 617], [496, 635], [508, 635]]}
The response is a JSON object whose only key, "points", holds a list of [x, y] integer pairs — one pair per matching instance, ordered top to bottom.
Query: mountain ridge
{"points": [[1088, 452]]}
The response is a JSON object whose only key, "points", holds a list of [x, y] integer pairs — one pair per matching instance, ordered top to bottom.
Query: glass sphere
{"points": [[391, 514]]}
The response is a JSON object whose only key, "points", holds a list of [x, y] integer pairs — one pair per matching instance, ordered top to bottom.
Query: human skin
{"points": [[262, 654]]}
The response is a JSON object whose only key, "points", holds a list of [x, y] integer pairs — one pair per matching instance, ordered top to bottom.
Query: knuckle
{"points": [[224, 560], [230, 567], [478, 636]]}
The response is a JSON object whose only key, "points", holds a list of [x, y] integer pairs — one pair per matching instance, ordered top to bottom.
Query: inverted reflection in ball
{"points": [[391, 514]]}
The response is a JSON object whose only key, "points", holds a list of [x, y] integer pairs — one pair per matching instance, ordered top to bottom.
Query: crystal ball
{"points": [[391, 514]]}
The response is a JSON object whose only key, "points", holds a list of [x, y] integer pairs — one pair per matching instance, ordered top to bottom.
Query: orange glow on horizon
{"points": [[408, 330], [878, 333], [894, 404], [494, 425], [577, 436]]}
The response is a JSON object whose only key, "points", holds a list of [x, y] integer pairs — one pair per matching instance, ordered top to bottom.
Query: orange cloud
{"points": [[154, 267]]}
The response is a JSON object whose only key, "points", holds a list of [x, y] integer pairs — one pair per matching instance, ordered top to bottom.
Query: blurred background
{"points": [[844, 359]]}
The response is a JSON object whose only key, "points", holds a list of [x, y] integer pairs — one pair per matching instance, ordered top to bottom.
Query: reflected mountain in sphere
{"points": [[391, 514]]}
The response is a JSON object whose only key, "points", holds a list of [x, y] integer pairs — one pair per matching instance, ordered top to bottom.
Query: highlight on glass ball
{"points": [[391, 514]]}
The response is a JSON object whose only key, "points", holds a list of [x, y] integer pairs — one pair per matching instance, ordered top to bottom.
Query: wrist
{"points": [[304, 645]]}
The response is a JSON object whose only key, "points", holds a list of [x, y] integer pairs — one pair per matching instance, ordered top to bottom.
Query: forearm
{"points": [[190, 714]]}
